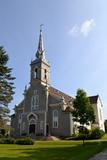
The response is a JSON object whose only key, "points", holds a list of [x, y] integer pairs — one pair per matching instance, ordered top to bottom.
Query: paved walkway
{"points": [[100, 156]]}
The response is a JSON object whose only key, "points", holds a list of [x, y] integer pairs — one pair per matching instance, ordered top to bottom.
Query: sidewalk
{"points": [[100, 156]]}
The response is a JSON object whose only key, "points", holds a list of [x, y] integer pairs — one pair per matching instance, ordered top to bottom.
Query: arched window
{"points": [[35, 73], [45, 74], [34, 102], [55, 113], [32, 118], [55, 118], [32, 121]]}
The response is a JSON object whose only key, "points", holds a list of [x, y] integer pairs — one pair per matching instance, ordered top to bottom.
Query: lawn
{"points": [[104, 137], [52, 150]]}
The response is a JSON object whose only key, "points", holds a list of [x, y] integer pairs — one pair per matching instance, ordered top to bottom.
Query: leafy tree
{"points": [[6, 86], [83, 111], [105, 124]]}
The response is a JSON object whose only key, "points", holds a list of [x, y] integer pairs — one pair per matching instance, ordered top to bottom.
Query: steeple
{"points": [[40, 54], [40, 68]]}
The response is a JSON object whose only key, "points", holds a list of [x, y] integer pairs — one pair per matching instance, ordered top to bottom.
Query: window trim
{"points": [[36, 72], [45, 74], [34, 103], [55, 119], [41, 125]]}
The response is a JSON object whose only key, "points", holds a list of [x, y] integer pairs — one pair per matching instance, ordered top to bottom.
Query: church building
{"points": [[46, 110]]}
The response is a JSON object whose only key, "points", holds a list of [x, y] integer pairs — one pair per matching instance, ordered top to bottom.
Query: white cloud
{"points": [[87, 27], [84, 29], [75, 30]]}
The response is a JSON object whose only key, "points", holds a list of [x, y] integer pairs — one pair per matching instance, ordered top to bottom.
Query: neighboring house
{"points": [[97, 106], [44, 109]]}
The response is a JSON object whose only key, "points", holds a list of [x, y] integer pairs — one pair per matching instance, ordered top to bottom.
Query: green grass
{"points": [[104, 137], [57, 150]]}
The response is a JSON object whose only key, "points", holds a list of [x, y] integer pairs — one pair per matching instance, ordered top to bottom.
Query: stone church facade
{"points": [[44, 109]]}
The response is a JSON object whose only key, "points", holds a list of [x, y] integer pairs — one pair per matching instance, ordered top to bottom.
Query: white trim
{"points": [[35, 73], [34, 102], [55, 104], [46, 110], [31, 113], [32, 119], [55, 119], [29, 122], [19, 123], [41, 125], [23, 126]]}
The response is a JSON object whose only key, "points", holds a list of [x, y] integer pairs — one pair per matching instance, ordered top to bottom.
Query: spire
{"points": [[40, 51]]}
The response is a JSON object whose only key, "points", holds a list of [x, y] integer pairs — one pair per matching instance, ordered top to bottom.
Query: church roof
{"points": [[60, 94], [68, 99], [93, 99], [20, 105]]}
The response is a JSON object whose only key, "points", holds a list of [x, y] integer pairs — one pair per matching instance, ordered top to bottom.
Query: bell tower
{"points": [[40, 68]]}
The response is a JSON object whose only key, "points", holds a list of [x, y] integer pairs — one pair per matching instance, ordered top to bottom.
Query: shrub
{"points": [[105, 124], [83, 130], [2, 131], [96, 133], [23, 134], [1, 136], [81, 136], [1, 141], [7, 141], [25, 141]]}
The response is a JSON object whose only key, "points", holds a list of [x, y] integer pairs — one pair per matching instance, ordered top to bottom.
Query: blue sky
{"points": [[75, 39]]}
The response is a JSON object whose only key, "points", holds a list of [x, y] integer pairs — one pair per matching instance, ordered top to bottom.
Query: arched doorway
{"points": [[32, 119], [32, 129]]}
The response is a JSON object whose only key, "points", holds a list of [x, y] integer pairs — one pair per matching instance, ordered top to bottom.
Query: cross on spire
{"points": [[41, 27]]}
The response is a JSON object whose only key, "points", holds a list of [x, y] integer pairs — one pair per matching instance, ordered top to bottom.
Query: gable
{"points": [[58, 94], [93, 99]]}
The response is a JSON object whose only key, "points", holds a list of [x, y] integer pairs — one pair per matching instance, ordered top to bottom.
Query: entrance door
{"points": [[32, 129], [47, 129]]}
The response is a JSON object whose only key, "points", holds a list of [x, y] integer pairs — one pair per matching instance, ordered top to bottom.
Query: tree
{"points": [[6, 86], [83, 111], [105, 124]]}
